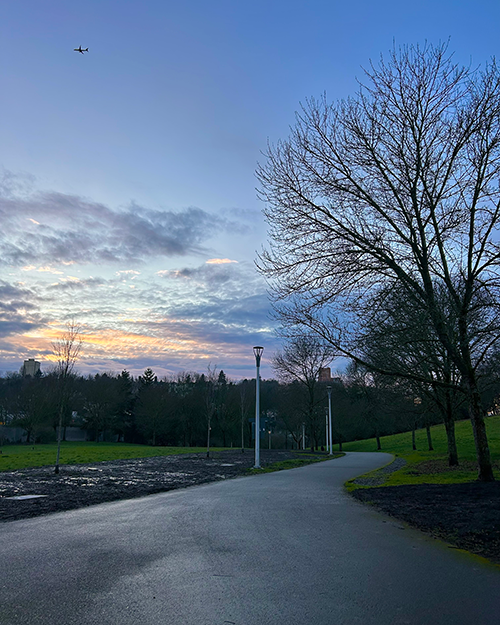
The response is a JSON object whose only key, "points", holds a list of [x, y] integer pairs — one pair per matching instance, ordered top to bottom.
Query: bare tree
{"points": [[396, 186], [400, 337], [66, 349], [301, 360]]}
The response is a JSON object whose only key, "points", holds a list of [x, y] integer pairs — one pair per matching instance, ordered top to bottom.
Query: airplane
{"points": [[80, 50]]}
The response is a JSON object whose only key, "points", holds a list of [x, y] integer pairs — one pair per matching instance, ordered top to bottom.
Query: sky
{"points": [[127, 175]]}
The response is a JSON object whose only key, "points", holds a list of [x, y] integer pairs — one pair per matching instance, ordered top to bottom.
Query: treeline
{"points": [[193, 409], [145, 410]]}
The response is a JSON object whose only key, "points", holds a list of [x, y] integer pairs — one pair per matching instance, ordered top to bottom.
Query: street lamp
{"points": [[257, 353], [329, 391], [327, 438]]}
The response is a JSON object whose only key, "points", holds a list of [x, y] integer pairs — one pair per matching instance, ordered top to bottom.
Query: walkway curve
{"points": [[280, 548]]}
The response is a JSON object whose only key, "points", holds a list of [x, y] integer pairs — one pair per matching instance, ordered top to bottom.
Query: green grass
{"points": [[23, 456], [294, 463], [431, 467]]}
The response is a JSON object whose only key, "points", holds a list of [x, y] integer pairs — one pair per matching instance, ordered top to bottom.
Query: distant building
{"points": [[30, 367], [325, 375]]}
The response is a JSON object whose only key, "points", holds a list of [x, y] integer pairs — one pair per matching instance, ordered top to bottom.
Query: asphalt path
{"points": [[280, 548]]}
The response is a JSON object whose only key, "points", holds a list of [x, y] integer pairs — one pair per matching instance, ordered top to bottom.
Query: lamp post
{"points": [[257, 353], [329, 391], [327, 438]]}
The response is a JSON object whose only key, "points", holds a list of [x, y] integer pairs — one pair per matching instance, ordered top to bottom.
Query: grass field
{"points": [[23, 456], [423, 467], [431, 467]]}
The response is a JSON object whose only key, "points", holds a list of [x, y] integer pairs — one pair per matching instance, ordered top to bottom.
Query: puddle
{"points": [[20, 497]]}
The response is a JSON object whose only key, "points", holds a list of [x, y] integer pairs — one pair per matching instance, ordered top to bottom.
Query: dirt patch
{"points": [[77, 486], [465, 515]]}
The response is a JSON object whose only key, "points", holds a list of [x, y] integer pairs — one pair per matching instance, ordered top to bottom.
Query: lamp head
{"points": [[258, 353]]}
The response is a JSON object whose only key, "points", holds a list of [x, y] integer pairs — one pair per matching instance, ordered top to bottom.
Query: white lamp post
{"points": [[257, 353], [330, 437], [327, 438]]}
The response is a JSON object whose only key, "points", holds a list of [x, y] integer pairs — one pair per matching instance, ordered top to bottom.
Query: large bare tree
{"points": [[395, 186]]}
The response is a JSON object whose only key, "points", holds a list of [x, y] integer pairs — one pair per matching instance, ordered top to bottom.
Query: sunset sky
{"points": [[127, 188]]}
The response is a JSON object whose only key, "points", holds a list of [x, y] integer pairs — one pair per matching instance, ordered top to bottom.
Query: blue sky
{"points": [[127, 188]]}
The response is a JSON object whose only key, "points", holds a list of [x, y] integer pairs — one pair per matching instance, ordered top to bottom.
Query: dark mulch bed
{"points": [[77, 486], [465, 515]]}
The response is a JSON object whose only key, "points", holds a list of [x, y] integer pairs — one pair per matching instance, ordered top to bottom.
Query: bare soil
{"points": [[81, 485], [465, 515]]}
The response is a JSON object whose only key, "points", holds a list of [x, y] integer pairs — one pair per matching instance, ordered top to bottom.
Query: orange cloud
{"points": [[220, 261], [113, 344]]}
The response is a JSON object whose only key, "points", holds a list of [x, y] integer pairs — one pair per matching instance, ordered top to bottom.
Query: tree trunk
{"points": [[477, 413], [449, 424], [208, 436], [429, 438], [413, 443], [379, 446], [56, 468]]}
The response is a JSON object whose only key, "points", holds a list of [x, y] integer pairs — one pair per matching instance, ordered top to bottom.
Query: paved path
{"points": [[282, 548]]}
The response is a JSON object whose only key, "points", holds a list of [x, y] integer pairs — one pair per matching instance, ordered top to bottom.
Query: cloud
{"points": [[15, 184], [46, 228], [220, 261], [41, 269], [128, 272], [212, 274], [72, 283], [15, 299], [17, 310], [227, 315], [183, 317], [16, 326]]}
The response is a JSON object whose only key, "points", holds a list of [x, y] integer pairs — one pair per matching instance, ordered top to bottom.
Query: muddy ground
{"points": [[81, 485]]}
